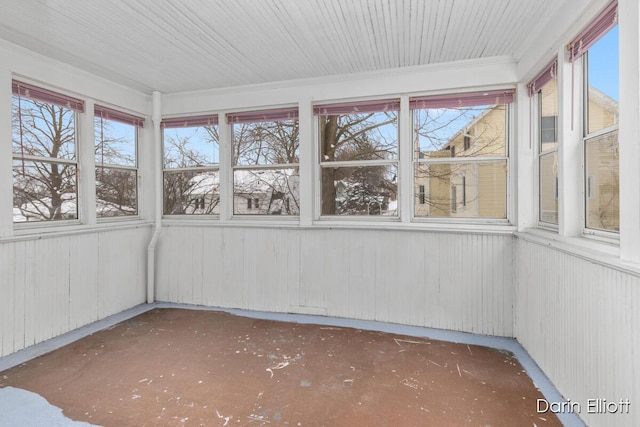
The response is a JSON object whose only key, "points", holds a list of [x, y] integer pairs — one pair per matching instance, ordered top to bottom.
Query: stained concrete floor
{"points": [[176, 367]]}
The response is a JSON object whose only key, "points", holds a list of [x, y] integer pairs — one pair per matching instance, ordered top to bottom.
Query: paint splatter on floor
{"points": [[27, 409]]}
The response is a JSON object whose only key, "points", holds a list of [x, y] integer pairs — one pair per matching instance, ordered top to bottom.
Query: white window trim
{"points": [[319, 165], [270, 166], [135, 168], [509, 208], [37, 226]]}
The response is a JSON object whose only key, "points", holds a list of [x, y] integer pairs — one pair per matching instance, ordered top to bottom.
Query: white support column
{"points": [[156, 118], [629, 131], [225, 135], [148, 143], [156, 143], [570, 151], [523, 160], [6, 161], [307, 161], [86, 164], [405, 169]]}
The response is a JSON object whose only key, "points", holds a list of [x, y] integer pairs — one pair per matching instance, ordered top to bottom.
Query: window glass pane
{"points": [[602, 77], [548, 113], [41, 129], [460, 132], [362, 136], [115, 143], [265, 143], [190, 147], [602, 182], [549, 188], [363, 190], [461, 190], [44, 191], [116, 192], [191, 192], [266, 192]]}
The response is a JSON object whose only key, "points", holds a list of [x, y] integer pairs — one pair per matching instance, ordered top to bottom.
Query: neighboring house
{"points": [[601, 171], [467, 189], [478, 189], [256, 192], [40, 209]]}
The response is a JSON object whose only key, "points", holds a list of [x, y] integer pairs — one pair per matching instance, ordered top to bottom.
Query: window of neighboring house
{"points": [[598, 47], [544, 88], [441, 124], [116, 135], [467, 142], [358, 145], [45, 161], [265, 162], [191, 166], [464, 191], [422, 195], [454, 199]]}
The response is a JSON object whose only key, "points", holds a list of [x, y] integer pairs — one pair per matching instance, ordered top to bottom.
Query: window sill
{"points": [[353, 223], [47, 230], [605, 253]]}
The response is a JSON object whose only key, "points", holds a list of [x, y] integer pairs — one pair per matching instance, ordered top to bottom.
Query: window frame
{"points": [[38, 93], [473, 95], [378, 105], [121, 117], [185, 122], [588, 178], [252, 203]]}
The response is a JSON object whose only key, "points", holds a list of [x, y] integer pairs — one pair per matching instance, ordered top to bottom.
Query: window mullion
{"points": [[225, 135], [86, 165], [405, 167], [6, 180]]}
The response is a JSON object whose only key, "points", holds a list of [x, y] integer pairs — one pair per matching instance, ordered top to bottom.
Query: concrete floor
{"points": [[173, 366]]}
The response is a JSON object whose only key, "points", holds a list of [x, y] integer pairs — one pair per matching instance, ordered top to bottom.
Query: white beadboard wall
{"points": [[454, 281], [52, 285], [580, 321]]}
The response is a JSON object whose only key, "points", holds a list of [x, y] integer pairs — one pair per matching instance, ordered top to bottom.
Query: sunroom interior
{"points": [[463, 166]]}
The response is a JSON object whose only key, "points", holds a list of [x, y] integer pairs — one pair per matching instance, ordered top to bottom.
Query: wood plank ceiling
{"points": [[184, 45]]}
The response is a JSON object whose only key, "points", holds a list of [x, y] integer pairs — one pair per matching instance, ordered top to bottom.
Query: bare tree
{"points": [[470, 133], [43, 134], [352, 137], [274, 144], [116, 185], [193, 187]]}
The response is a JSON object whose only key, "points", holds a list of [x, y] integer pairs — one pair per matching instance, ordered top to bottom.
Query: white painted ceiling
{"points": [[185, 45]]}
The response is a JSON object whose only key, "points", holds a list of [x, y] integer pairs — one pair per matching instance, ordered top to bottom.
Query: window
{"points": [[597, 46], [544, 89], [441, 124], [549, 129], [467, 142], [359, 158], [45, 162], [116, 162], [265, 162], [190, 166], [464, 191], [422, 195], [454, 199]]}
